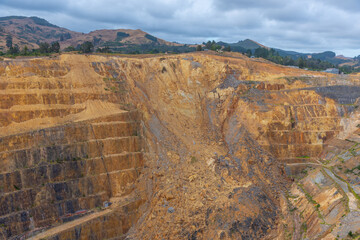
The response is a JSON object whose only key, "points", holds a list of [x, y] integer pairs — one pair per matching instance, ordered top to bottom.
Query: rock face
{"points": [[65, 146], [193, 146]]}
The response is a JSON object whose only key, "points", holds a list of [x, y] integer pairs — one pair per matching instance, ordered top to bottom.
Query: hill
{"points": [[31, 31], [329, 56]]}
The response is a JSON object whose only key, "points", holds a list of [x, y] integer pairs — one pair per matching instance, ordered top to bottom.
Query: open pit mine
{"points": [[188, 146]]}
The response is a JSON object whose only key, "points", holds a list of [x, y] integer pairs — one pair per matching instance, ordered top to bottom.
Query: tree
{"points": [[64, 36], [9, 41], [208, 45], [214, 46], [44, 47], [55, 47], [87, 47], [198, 48], [227, 48], [69, 49], [105, 49], [14, 50], [25, 51], [154, 51], [261, 52], [248, 53], [288, 61], [301, 63], [346, 69]]}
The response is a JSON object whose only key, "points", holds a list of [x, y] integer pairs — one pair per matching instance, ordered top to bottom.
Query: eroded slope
{"points": [[223, 135]]}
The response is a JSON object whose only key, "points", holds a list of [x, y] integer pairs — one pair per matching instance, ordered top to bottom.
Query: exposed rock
{"points": [[214, 133]]}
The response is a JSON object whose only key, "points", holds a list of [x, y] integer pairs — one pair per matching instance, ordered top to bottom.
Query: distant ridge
{"points": [[37, 20], [30, 31]]}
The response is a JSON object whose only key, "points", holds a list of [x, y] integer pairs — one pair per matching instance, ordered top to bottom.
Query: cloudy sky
{"points": [[300, 25]]}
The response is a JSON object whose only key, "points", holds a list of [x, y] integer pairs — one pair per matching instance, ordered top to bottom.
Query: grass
{"points": [[292, 79], [115, 85], [193, 160], [349, 188], [291, 196], [345, 196], [311, 200], [293, 209], [303, 228], [353, 235]]}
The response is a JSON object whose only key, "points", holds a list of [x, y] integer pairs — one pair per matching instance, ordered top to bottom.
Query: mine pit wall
{"points": [[172, 94], [191, 96], [289, 119], [292, 125], [62, 169], [49, 173], [114, 225]]}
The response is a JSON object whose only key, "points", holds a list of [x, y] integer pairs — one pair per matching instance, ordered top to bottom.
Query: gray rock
{"points": [[171, 210]]}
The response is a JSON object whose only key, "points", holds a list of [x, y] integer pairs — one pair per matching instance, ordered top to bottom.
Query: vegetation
{"points": [[43, 22], [121, 35], [65, 36], [150, 37], [9, 42], [212, 45], [87, 47], [155, 47], [47, 48], [150, 48], [44, 49], [69, 49], [227, 49], [103, 50], [310, 63], [318, 63], [349, 69], [193, 159], [311, 200], [353, 235]]}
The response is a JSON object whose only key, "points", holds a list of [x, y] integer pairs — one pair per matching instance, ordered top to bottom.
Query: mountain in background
{"points": [[31, 31], [329, 56]]}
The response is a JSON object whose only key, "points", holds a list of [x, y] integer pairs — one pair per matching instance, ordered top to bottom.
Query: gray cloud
{"points": [[307, 25]]}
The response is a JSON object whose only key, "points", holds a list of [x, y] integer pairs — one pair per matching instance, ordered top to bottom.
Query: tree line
{"points": [[88, 47], [45, 48], [273, 56], [309, 63]]}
